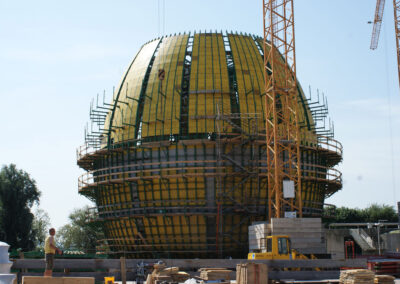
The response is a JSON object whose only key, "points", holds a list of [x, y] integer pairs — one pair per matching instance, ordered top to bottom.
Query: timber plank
{"points": [[94, 264], [303, 275]]}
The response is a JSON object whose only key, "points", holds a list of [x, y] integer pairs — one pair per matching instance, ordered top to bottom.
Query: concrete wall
{"points": [[391, 241], [335, 242]]}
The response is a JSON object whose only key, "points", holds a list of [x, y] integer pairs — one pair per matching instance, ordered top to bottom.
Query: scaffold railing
{"points": [[324, 143], [330, 144], [85, 150], [124, 173], [125, 209]]}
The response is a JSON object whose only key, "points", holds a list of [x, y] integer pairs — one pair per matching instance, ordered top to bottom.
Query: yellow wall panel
{"points": [[210, 87], [128, 93], [162, 106]]}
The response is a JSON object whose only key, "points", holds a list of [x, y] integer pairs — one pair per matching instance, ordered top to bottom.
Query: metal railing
{"points": [[321, 143], [330, 145], [185, 169]]}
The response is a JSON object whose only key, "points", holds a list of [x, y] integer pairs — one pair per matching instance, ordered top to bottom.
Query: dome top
{"points": [[176, 85]]}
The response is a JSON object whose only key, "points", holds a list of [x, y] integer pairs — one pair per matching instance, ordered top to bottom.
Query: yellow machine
{"points": [[276, 247]]}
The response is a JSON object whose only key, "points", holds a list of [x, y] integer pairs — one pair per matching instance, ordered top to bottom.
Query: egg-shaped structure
{"points": [[177, 168]]}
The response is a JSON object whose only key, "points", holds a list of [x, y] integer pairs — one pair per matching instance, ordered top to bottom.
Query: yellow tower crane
{"points": [[380, 5], [282, 114]]}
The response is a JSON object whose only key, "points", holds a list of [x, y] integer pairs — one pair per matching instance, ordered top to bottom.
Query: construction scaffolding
{"points": [[179, 167]]}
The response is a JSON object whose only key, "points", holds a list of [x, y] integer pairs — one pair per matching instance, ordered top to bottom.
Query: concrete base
{"points": [[306, 234], [57, 280]]}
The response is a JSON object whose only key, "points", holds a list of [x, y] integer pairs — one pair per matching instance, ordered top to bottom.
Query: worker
{"points": [[50, 250]]}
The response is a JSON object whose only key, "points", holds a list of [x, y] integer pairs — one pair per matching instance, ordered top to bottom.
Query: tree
{"points": [[18, 193], [376, 212], [371, 214], [40, 227], [80, 233]]}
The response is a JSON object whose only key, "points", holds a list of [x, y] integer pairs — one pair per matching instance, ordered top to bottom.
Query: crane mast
{"points": [[380, 6], [281, 105]]}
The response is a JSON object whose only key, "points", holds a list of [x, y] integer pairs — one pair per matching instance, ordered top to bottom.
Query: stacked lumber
{"points": [[258, 231], [306, 234], [251, 273], [166, 274], [215, 274], [180, 276], [357, 276], [384, 279]]}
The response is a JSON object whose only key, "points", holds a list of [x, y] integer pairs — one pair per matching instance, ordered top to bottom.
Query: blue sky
{"points": [[55, 56]]}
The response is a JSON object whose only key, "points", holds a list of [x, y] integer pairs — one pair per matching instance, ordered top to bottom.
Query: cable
{"points": [[158, 17], [163, 17], [390, 117]]}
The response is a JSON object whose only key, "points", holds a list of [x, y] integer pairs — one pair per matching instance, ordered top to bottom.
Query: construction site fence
{"points": [[131, 268]]}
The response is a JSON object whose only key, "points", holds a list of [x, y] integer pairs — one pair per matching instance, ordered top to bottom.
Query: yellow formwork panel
{"points": [[255, 66], [249, 78], [209, 84], [128, 93], [154, 95], [162, 105], [174, 191], [189, 191], [246, 193], [125, 196], [172, 232]]}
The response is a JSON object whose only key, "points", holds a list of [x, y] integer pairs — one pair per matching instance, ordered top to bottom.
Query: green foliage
{"points": [[18, 193], [377, 212], [371, 214], [40, 227], [79, 234]]}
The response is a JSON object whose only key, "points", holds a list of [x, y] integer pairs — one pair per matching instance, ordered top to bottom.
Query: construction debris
{"points": [[251, 273], [166, 274], [215, 274], [357, 276], [384, 279]]}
